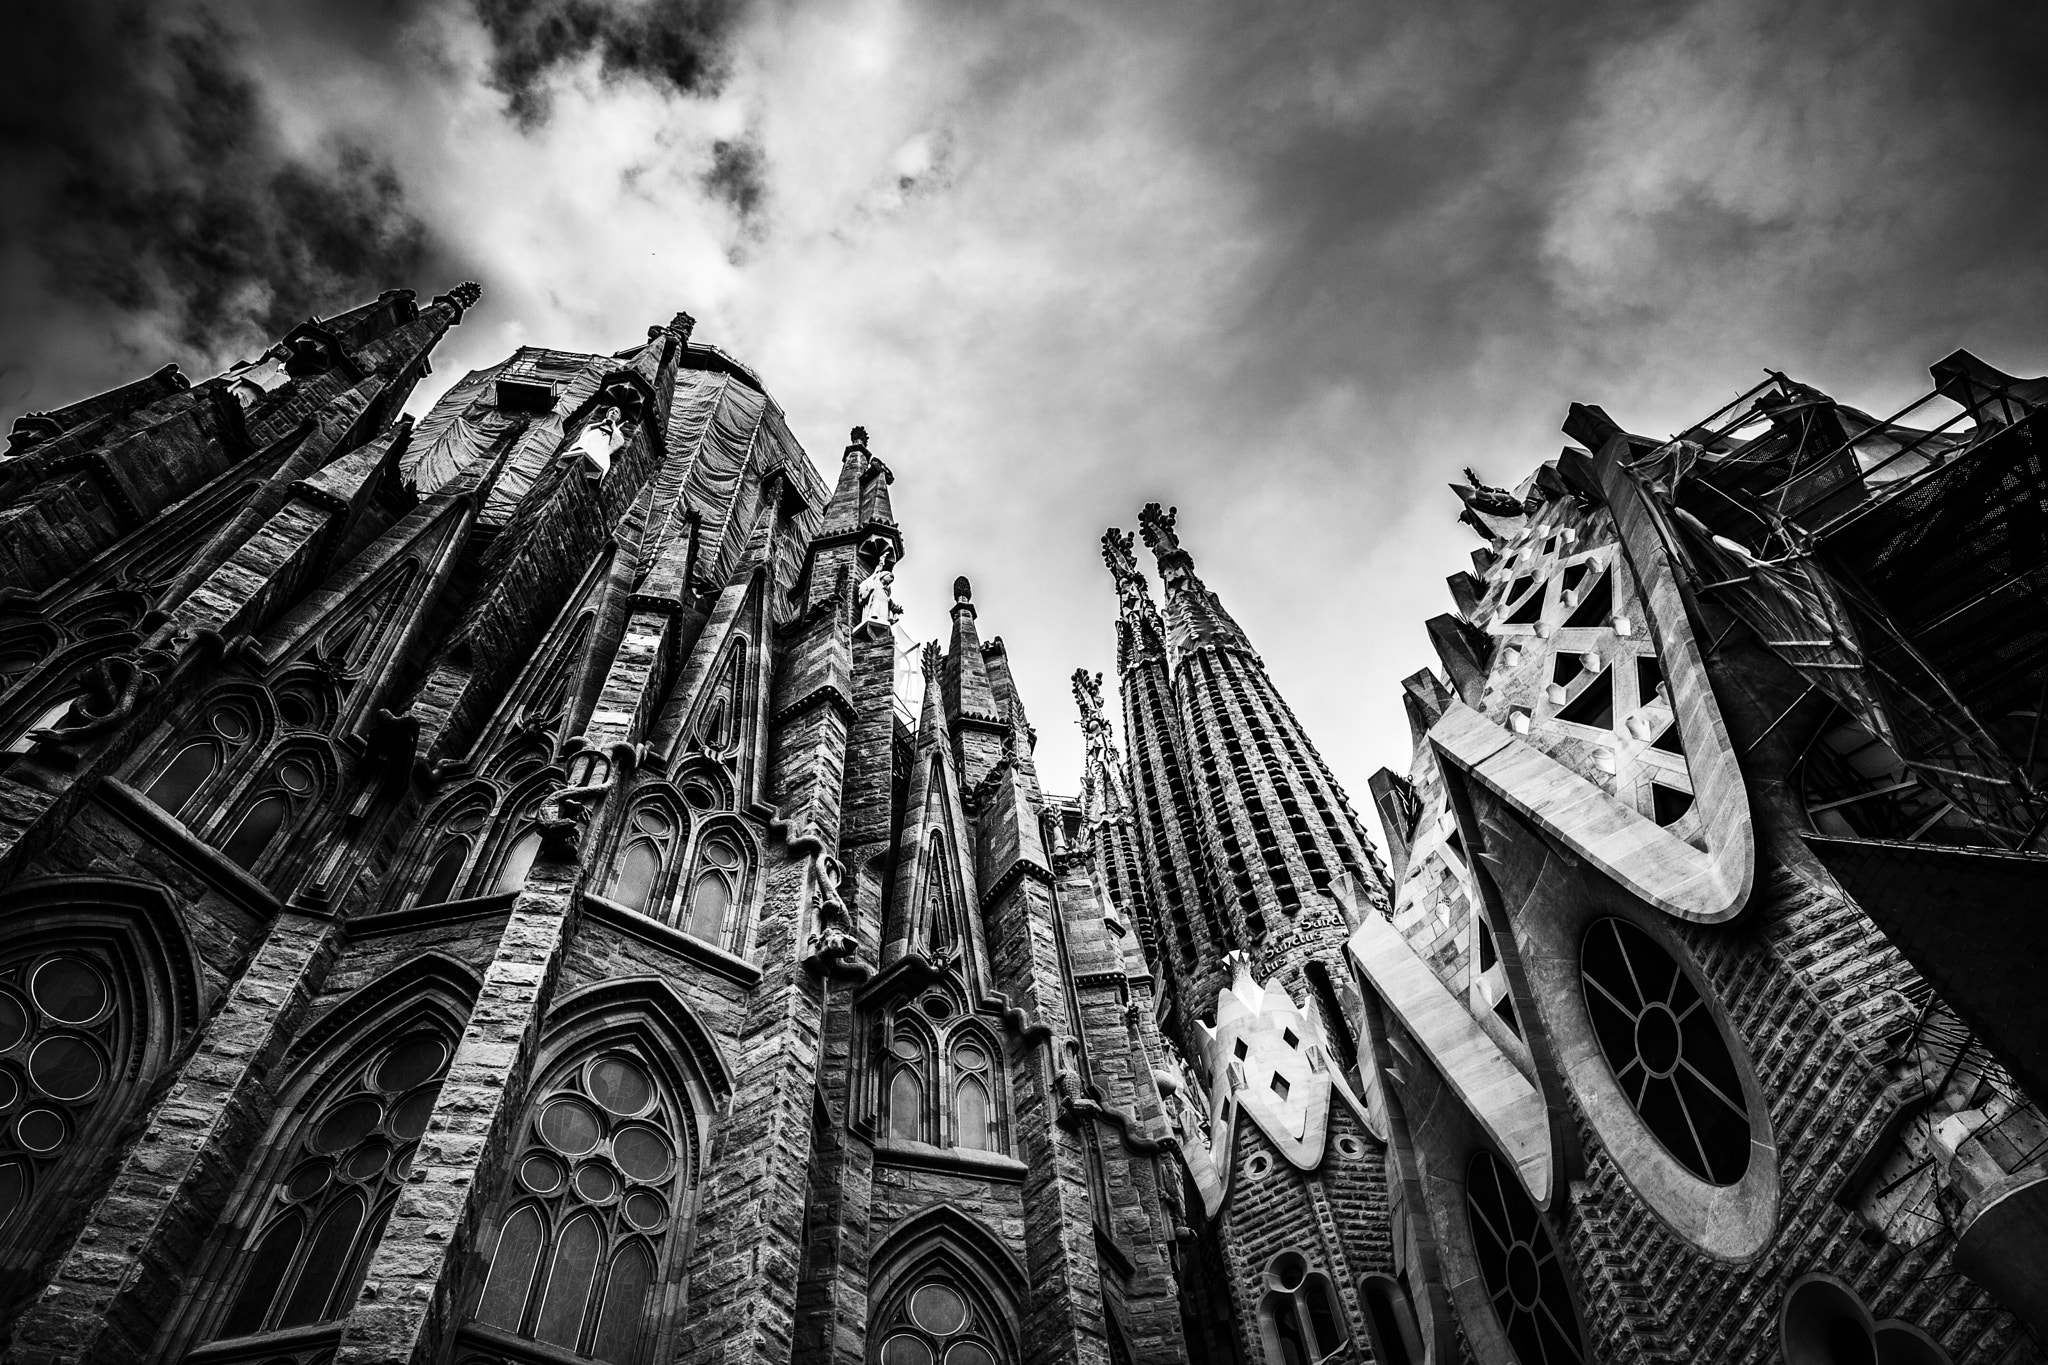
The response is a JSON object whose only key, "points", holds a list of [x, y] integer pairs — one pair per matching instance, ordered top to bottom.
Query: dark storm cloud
{"points": [[676, 44], [737, 176], [142, 177]]}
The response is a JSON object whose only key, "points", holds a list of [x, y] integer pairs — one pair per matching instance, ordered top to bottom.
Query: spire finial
{"points": [[1157, 527], [1088, 695]]}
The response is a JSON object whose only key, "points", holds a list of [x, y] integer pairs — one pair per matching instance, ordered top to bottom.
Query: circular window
{"points": [[70, 991], [938, 1007], [1665, 1050], [410, 1062], [65, 1068], [621, 1087], [409, 1116], [347, 1125], [570, 1126], [40, 1130], [1351, 1147], [642, 1153], [368, 1161], [1257, 1164], [541, 1173], [307, 1180], [596, 1183], [646, 1211], [1519, 1265], [939, 1309], [904, 1349]]}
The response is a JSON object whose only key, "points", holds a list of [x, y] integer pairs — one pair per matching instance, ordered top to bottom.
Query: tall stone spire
{"points": [[1195, 617], [972, 711], [1273, 820], [1192, 937]]}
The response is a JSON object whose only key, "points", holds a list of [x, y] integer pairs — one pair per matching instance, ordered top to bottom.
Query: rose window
{"points": [[59, 1027], [596, 1189], [327, 1209]]}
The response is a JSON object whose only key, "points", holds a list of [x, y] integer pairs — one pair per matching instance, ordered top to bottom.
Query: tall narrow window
{"points": [[193, 764], [282, 797], [654, 831], [517, 862], [442, 876], [715, 889], [942, 931], [908, 1063], [973, 1096], [597, 1188], [326, 1211]]}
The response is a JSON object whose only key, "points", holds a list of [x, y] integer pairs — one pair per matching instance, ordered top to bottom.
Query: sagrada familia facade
{"points": [[492, 889]]}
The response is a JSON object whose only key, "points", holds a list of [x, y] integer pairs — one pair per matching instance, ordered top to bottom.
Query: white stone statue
{"points": [[601, 440], [876, 606]]}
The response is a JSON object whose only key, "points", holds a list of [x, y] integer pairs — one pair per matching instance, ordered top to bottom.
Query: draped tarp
{"points": [[458, 434], [719, 476]]}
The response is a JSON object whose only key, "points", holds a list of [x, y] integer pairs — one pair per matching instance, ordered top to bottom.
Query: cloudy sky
{"points": [[1288, 267]]}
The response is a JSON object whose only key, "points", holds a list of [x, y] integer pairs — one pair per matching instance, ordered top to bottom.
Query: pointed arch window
{"points": [[347, 644], [721, 721], [193, 765], [278, 802], [654, 831], [449, 855], [517, 862], [716, 887], [942, 928], [909, 1068], [942, 1090], [974, 1103], [341, 1172], [598, 1192], [1299, 1315], [938, 1322]]}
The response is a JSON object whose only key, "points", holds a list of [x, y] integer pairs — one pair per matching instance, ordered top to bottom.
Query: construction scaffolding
{"points": [[1899, 569]]}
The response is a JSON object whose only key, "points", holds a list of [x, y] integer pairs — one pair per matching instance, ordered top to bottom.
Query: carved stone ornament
{"points": [[113, 689], [564, 813], [831, 949]]}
